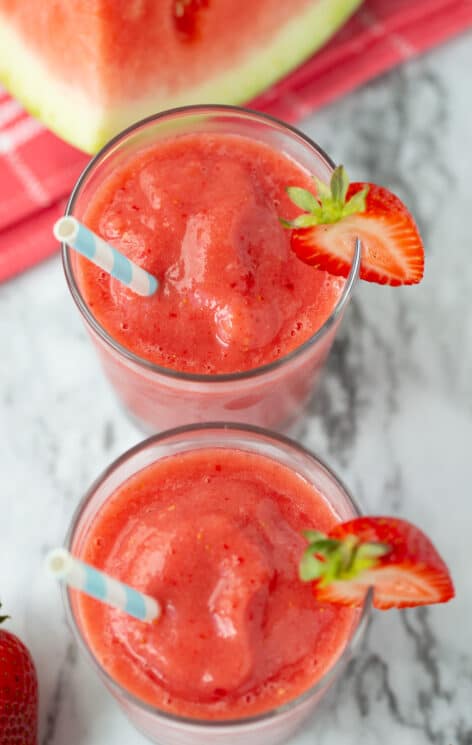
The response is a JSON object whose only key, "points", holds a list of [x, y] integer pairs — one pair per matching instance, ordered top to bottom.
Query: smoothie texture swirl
{"points": [[201, 213], [216, 536]]}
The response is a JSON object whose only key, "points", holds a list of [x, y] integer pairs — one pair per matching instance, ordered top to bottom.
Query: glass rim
{"points": [[167, 371], [327, 678]]}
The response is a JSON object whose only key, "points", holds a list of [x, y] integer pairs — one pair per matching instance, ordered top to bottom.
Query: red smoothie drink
{"points": [[198, 207], [201, 213], [210, 523]]}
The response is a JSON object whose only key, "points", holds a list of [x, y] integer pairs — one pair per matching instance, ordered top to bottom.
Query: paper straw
{"points": [[69, 230], [65, 567]]}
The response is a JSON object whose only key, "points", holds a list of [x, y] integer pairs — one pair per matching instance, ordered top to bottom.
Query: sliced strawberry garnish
{"points": [[324, 235], [390, 555]]}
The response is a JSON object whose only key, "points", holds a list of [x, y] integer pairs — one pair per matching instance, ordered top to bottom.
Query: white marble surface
{"points": [[393, 415]]}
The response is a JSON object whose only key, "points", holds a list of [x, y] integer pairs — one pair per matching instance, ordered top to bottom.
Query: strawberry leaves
{"points": [[339, 184], [303, 199], [357, 203], [329, 205], [324, 235], [388, 554], [327, 560], [3, 618]]}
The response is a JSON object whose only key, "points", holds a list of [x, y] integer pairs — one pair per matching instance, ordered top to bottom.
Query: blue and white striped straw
{"points": [[69, 230], [65, 567]]}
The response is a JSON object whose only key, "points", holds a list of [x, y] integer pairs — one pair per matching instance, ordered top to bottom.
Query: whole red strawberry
{"points": [[18, 692]]}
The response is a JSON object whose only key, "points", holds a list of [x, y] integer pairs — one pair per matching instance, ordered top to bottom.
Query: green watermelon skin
{"points": [[89, 68]]}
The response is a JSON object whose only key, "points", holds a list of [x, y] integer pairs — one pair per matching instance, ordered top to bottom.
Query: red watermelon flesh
{"points": [[90, 67]]}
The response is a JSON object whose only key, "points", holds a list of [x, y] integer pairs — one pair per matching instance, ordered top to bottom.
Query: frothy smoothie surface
{"points": [[201, 213], [215, 535]]}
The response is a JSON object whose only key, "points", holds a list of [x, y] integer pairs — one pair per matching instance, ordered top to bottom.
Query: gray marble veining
{"points": [[393, 415]]}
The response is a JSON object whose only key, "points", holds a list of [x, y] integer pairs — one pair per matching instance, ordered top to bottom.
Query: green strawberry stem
{"points": [[329, 205], [327, 560], [3, 618]]}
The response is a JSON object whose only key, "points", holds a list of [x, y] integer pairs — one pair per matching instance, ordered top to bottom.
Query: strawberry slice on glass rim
{"points": [[323, 236], [391, 556]]}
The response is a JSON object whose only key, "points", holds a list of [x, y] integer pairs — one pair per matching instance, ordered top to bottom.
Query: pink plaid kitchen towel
{"points": [[37, 170]]}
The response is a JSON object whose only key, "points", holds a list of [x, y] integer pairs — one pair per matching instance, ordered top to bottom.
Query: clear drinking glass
{"points": [[155, 397], [273, 726]]}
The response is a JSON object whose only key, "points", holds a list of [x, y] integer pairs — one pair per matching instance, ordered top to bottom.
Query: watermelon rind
{"points": [[68, 112]]}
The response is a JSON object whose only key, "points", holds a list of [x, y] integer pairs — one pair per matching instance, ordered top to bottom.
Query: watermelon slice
{"points": [[89, 68]]}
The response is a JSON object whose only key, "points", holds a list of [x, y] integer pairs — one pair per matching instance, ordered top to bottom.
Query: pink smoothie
{"points": [[201, 213], [215, 535]]}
